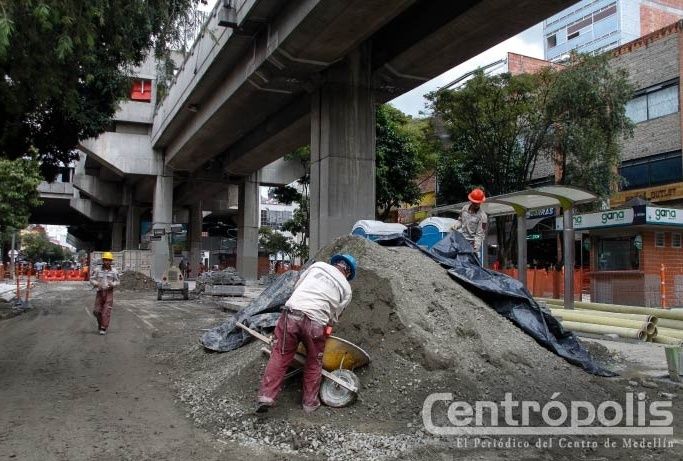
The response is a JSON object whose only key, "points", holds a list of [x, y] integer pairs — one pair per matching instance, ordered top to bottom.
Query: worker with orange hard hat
{"points": [[473, 220], [104, 278]]}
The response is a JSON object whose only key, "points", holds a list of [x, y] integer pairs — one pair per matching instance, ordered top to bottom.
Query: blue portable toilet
{"points": [[434, 229], [374, 230]]}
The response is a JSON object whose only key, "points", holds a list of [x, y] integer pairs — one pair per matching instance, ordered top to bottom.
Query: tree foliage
{"points": [[66, 64], [585, 103], [396, 163], [19, 180], [273, 242], [37, 247]]}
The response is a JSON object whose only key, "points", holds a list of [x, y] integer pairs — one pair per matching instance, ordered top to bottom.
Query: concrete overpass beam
{"points": [[342, 149], [162, 216], [247, 228]]}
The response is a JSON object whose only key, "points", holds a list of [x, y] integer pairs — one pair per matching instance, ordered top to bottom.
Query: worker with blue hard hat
{"points": [[320, 296]]}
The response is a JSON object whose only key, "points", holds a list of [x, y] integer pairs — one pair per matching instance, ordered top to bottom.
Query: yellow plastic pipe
{"points": [[660, 313], [639, 317], [668, 323], [582, 327], [649, 327], [670, 332], [667, 340]]}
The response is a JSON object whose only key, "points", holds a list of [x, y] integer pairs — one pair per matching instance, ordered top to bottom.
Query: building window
{"points": [[572, 36], [551, 41], [141, 90], [655, 103], [652, 171], [275, 218], [659, 240], [675, 240], [617, 254]]}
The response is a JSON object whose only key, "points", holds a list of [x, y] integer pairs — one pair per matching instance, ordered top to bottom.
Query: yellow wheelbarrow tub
{"points": [[340, 353]]}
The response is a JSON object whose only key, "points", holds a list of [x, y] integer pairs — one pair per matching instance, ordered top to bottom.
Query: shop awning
{"points": [[519, 203]]}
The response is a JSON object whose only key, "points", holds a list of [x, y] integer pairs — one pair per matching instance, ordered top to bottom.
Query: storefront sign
{"points": [[652, 194], [541, 213], [670, 216], [608, 218]]}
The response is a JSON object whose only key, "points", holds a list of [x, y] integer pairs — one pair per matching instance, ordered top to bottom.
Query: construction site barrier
{"points": [[60, 275], [550, 283]]}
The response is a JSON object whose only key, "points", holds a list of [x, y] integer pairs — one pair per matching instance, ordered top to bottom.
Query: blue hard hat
{"points": [[348, 259]]}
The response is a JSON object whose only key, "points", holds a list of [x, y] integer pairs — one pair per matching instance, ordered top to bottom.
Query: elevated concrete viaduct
{"points": [[312, 71], [291, 73]]}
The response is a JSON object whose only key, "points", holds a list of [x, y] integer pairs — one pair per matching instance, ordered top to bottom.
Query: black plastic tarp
{"points": [[511, 299], [261, 313]]}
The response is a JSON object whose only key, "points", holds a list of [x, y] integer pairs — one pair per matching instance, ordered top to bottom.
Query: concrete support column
{"points": [[342, 149], [162, 216], [196, 219], [247, 228], [117, 236], [568, 236]]}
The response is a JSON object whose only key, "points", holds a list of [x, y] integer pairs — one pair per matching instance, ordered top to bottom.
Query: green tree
{"points": [[66, 65], [585, 103], [500, 126], [396, 163], [19, 180], [273, 242], [37, 247]]}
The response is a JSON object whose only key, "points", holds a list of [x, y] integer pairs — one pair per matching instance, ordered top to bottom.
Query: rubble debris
{"points": [[227, 276], [136, 281]]}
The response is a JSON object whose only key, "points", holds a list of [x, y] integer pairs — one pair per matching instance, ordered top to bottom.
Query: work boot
{"points": [[261, 408], [309, 409]]}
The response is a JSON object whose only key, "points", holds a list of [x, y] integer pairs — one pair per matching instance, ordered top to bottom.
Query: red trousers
{"points": [[104, 300], [289, 331]]}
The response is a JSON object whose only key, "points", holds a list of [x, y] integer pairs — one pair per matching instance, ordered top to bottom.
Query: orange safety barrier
{"points": [[550, 283]]}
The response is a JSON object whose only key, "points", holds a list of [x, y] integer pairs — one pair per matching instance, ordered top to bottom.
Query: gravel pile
{"points": [[136, 281], [424, 333]]}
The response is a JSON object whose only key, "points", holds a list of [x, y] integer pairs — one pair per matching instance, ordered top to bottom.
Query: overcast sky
{"points": [[528, 43]]}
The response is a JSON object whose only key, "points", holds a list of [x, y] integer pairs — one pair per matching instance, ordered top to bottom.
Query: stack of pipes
{"points": [[642, 323]]}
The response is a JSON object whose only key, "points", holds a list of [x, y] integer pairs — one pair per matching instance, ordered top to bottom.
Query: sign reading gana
{"points": [[663, 215], [608, 218]]}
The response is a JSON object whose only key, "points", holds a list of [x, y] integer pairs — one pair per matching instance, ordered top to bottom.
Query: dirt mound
{"points": [[136, 281], [424, 333]]}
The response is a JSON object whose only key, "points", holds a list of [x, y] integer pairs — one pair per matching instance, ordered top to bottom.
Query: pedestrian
{"points": [[472, 222], [104, 278], [320, 296]]}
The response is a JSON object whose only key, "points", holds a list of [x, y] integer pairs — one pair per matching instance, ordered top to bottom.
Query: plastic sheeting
{"points": [[510, 299], [262, 313]]}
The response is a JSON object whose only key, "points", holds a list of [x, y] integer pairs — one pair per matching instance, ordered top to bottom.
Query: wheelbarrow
{"points": [[341, 385]]}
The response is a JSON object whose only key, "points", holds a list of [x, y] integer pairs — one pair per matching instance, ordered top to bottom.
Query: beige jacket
{"points": [[472, 226], [104, 279], [322, 293]]}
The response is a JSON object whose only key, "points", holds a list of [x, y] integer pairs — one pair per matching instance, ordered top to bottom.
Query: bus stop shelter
{"points": [[519, 203]]}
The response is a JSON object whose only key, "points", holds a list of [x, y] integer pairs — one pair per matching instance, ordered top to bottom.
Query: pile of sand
{"points": [[136, 281], [424, 333]]}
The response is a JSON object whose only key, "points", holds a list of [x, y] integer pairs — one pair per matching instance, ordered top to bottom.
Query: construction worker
{"points": [[473, 221], [104, 279], [320, 296]]}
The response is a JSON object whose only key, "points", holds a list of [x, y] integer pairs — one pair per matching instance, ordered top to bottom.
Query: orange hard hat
{"points": [[477, 196]]}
